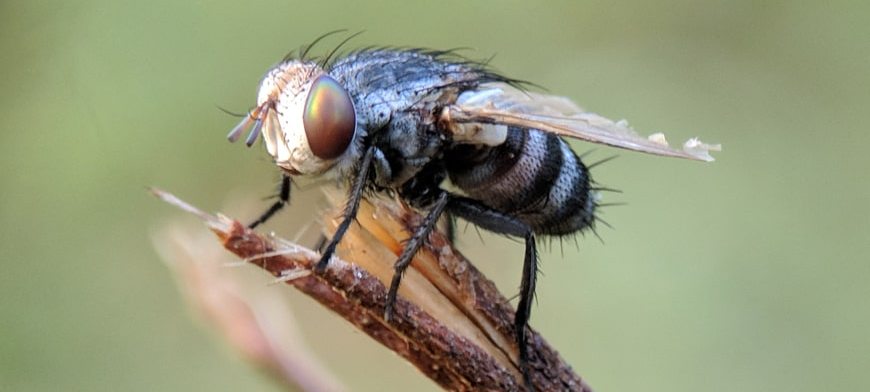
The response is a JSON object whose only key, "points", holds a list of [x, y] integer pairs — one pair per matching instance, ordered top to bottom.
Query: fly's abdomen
{"points": [[533, 175]]}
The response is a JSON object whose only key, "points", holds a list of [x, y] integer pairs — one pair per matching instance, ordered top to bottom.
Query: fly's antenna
{"points": [[325, 61], [231, 113], [254, 117], [237, 131]]}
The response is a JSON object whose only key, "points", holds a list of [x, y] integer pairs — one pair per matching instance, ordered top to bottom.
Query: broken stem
{"points": [[449, 321]]}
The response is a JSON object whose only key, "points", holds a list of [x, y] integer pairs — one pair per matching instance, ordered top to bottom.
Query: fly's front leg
{"points": [[354, 197], [283, 199], [499, 222], [411, 247]]}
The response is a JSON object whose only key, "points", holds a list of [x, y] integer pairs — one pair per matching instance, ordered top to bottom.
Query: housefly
{"points": [[407, 121]]}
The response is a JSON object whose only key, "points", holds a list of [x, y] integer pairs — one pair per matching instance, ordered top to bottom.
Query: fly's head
{"points": [[307, 118]]}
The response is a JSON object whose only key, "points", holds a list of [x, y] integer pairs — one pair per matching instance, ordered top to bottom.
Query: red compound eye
{"points": [[329, 118]]}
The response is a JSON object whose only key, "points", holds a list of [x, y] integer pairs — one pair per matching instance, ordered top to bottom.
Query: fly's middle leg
{"points": [[411, 247]]}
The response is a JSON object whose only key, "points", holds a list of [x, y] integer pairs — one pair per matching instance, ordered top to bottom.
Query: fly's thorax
{"points": [[309, 125]]}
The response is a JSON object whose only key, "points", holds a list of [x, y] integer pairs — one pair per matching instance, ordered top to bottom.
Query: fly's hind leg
{"points": [[283, 199], [499, 222], [449, 226], [321, 243]]}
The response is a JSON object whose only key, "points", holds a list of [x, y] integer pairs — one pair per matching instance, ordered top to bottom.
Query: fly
{"points": [[406, 121]]}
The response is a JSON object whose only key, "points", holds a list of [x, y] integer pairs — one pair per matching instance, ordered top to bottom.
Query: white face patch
{"points": [[286, 86]]}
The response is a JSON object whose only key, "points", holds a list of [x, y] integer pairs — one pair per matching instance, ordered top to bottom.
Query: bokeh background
{"points": [[748, 274]]}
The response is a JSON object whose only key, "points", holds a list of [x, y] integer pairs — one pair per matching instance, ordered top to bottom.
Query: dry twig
{"points": [[450, 321]]}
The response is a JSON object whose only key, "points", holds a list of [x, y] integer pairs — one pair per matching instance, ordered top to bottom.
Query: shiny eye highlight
{"points": [[329, 118]]}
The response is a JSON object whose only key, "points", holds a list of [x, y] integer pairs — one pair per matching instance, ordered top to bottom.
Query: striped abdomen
{"points": [[533, 175]]}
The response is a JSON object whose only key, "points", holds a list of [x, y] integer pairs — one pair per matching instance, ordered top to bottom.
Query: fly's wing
{"points": [[476, 112]]}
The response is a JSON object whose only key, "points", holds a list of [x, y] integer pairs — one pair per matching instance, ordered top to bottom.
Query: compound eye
{"points": [[329, 118]]}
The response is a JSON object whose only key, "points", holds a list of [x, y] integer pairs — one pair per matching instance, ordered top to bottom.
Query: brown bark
{"points": [[450, 321]]}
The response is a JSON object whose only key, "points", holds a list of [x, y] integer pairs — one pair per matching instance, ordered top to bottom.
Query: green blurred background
{"points": [[746, 274]]}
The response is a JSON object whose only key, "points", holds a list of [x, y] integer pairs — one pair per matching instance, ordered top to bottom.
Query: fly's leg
{"points": [[422, 191], [356, 193], [283, 199], [499, 222], [449, 226], [321, 242], [411, 248], [524, 308]]}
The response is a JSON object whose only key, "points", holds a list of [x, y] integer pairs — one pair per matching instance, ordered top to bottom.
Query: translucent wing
{"points": [[503, 105]]}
